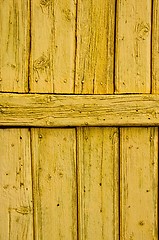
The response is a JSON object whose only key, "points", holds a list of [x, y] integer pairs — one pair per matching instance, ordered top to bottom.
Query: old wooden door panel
{"points": [[14, 42], [70, 49], [54, 183], [98, 183], [139, 183], [16, 220]]}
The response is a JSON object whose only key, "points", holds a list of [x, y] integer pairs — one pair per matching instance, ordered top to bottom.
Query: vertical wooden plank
{"points": [[14, 42], [53, 46], [95, 47], [133, 47], [155, 47], [139, 146], [54, 176], [98, 183], [139, 183], [16, 221]]}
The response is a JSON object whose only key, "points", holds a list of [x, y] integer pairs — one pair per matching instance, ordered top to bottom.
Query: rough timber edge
{"points": [[53, 110]]}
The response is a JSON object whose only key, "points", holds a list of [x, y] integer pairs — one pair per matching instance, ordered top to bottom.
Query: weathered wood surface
{"points": [[14, 45], [53, 46], [95, 47], [133, 47], [155, 47], [72, 51], [69, 55], [80, 56], [70, 110], [138, 146], [54, 183], [98, 183], [139, 183], [16, 220]]}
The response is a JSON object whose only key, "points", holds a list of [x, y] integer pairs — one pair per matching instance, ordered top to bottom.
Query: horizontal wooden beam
{"points": [[50, 110]]}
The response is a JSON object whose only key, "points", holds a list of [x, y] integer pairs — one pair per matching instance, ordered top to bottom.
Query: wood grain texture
{"points": [[14, 42], [53, 46], [95, 47], [133, 47], [155, 47], [46, 110], [54, 176], [98, 183], [139, 183], [16, 221]]}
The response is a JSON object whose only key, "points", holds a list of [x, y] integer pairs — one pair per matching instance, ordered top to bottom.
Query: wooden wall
{"points": [[83, 183]]}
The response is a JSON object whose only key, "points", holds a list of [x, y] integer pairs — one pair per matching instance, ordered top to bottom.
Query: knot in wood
{"points": [[142, 30]]}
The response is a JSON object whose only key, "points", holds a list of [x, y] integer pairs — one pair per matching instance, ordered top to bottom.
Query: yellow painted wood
{"points": [[14, 42], [133, 45], [53, 46], [95, 46], [72, 48], [155, 48], [45, 110], [139, 146], [54, 177], [139, 183], [98, 184], [16, 220]]}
